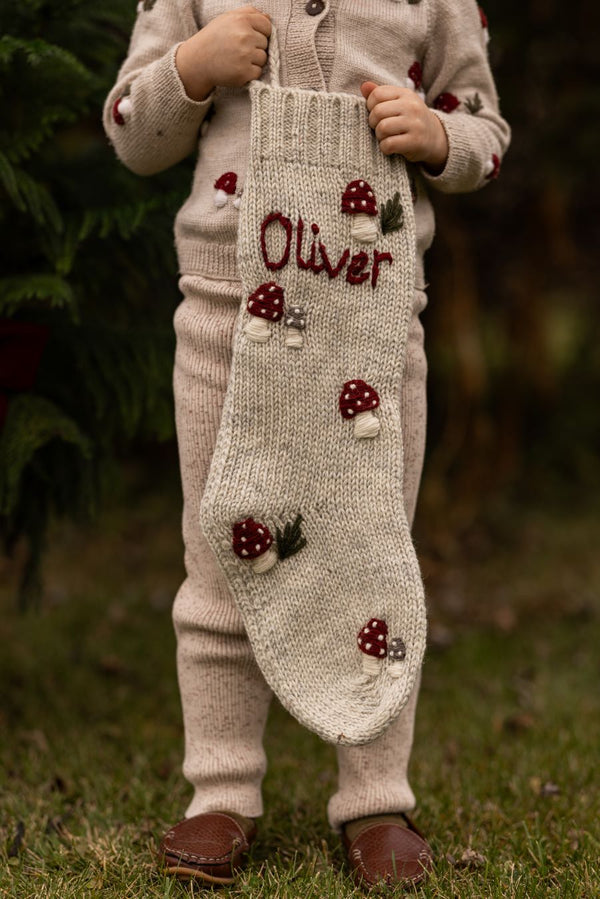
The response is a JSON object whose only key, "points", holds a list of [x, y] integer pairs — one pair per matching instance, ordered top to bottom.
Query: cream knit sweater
{"points": [[438, 47]]}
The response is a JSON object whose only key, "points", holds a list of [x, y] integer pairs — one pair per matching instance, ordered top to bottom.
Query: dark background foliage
{"points": [[88, 281]]}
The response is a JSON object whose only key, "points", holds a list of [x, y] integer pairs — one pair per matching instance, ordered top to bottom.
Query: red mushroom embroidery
{"points": [[484, 25], [414, 80], [446, 102], [121, 109], [492, 168], [225, 186], [358, 200], [264, 305], [357, 401], [252, 542], [373, 644], [396, 653]]}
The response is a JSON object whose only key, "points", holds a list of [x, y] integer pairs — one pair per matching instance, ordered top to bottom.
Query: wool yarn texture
{"points": [[303, 505]]}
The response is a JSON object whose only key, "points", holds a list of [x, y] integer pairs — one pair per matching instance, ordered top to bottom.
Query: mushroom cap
{"points": [[483, 17], [415, 73], [446, 102], [117, 117], [493, 167], [226, 182], [359, 198], [266, 301], [295, 317], [357, 396], [251, 538], [372, 638], [397, 649]]}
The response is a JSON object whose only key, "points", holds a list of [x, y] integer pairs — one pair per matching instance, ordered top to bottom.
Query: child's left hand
{"points": [[404, 124]]}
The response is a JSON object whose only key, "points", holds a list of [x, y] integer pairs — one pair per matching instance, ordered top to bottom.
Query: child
{"points": [[421, 67]]}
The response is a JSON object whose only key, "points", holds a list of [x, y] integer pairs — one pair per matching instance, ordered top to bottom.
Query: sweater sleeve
{"points": [[459, 87], [148, 117]]}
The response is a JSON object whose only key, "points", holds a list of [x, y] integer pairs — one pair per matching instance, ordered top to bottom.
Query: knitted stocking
{"points": [[303, 506]]}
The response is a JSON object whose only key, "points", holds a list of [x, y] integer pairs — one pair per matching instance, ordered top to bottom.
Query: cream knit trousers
{"points": [[224, 696]]}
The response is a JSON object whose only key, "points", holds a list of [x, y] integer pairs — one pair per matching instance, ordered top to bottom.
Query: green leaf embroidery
{"points": [[474, 104], [392, 214], [291, 541]]}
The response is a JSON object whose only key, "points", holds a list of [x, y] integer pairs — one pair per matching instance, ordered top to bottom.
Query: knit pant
{"points": [[224, 696]]}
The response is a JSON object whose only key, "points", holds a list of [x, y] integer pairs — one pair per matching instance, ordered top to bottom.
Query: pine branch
{"points": [[474, 104], [392, 215], [52, 290], [31, 423], [291, 541]]}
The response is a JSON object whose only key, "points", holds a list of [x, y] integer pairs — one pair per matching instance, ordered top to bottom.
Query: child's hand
{"points": [[229, 51], [404, 124]]}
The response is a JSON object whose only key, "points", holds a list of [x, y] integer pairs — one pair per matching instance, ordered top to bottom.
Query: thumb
{"points": [[366, 88]]}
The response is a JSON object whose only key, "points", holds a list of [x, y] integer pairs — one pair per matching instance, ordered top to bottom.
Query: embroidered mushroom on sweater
{"points": [[358, 201], [265, 305], [357, 401], [252, 542], [373, 645]]}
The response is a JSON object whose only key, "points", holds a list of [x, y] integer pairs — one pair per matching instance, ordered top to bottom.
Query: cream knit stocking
{"points": [[303, 506]]}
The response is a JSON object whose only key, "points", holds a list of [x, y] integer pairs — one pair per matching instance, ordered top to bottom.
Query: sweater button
{"points": [[314, 7]]}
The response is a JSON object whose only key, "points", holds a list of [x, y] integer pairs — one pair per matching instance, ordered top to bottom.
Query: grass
{"points": [[506, 747]]}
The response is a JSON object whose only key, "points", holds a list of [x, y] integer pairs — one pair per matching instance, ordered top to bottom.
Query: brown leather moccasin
{"points": [[210, 847], [390, 852]]}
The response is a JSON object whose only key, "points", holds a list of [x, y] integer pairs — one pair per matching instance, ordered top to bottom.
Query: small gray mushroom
{"points": [[295, 322], [396, 653]]}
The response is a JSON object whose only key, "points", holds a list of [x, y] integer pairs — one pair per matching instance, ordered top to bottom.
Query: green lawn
{"points": [[508, 727]]}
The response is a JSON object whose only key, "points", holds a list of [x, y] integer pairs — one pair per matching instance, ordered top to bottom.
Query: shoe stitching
{"points": [[182, 854]]}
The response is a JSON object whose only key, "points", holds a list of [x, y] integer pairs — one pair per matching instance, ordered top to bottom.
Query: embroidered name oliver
{"points": [[356, 271]]}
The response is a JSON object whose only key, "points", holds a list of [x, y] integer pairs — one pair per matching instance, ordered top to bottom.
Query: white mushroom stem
{"points": [[125, 107], [220, 198], [237, 201], [364, 227], [258, 329], [294, 338], [366, 424], [264, 562], [371, 665], [396, 668]]}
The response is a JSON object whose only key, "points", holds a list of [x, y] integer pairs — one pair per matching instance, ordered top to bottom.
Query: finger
{"points": [[261, 22], [261, 40], [259, 58], [366, 88], [386, 92], [384, 110], [394, 125], [398, 143]]}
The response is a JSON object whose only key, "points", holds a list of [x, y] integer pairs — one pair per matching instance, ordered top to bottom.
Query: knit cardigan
{"points": [[435, 47]]}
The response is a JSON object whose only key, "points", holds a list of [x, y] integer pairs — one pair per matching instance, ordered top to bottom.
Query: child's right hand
{"points": [[229, 51]]}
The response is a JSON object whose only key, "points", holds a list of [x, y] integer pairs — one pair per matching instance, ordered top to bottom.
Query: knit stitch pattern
{"points": [[284, 450]]}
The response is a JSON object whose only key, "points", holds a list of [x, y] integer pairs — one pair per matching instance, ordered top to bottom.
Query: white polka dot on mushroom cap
{"points": [[362, 183], [352, 189], [369, 193], [363, 202], [351, 205], [272, 288], [261, 296], [275, 302], [251, 303], [352, 386], [366, 392], [358, 403], [374, 403], [350, 411], [260, 531], [243, 539], [257, 546], [244, 552], [366, 630], [380, 637], [360, 641], [368, 645], [382, 652]]}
